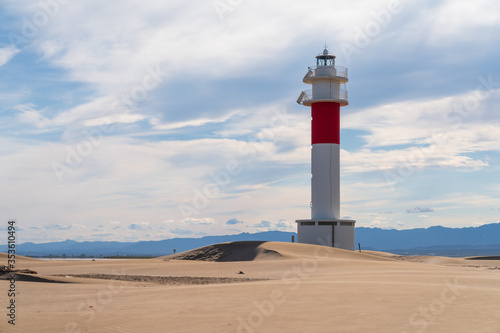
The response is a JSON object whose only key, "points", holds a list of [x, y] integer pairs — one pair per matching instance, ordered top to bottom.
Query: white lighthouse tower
{"points": [[325, 98]]}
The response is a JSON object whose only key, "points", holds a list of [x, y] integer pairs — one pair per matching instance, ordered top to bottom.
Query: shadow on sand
{"points": [[234, 251], [31, 278]]}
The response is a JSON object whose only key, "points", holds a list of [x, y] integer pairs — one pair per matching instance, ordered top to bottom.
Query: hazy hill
{"points": [[383, 239], [482, 240], [153, 248]]}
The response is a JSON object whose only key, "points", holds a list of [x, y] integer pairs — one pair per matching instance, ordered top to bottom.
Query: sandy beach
{"points": [[257, 287]]}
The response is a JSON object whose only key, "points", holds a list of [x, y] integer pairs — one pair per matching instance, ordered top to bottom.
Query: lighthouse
{"points": [[327, 95]]}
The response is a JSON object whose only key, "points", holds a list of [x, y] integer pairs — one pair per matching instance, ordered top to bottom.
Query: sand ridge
{"points": [[259, 250], [4, 257], [490, 262], [166, 280]]}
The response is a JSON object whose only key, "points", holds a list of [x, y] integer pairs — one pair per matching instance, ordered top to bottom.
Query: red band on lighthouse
{"points": [[325, 122]]}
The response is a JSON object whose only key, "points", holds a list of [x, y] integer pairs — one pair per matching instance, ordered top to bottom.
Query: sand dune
{"points": [[255, 250], [233, 251], [4, 256], [477, 262], [38, 278], [307, 288]]}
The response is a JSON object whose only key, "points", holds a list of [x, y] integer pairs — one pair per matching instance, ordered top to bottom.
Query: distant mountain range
{"points": [[384, 239], [437, 240], [471, 241], [142, 248]]}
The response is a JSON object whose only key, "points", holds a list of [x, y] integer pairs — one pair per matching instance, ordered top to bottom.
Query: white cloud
{"points": [[452, 20], [95, 46], [50, 48], [6, 54], [29, 115], [117, 118], [415, 121], [157, 125], [441, 133], [419, 210], [200, 221], [233, 221], [262, 224], [283, 224], [139, 226], [65, 227], [181, 232]]}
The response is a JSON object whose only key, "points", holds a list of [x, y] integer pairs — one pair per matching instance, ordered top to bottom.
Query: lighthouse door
{"points": [[333, 234]]}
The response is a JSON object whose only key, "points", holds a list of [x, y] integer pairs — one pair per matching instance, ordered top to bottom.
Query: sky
{"points": [[130, 120]]}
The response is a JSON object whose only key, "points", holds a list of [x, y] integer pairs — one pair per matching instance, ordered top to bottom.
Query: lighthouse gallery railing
{"points": [[338, 71], [307, 95]]}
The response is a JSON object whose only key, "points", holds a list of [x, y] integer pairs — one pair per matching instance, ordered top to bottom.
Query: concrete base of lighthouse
{"points": [[333, 233]]}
